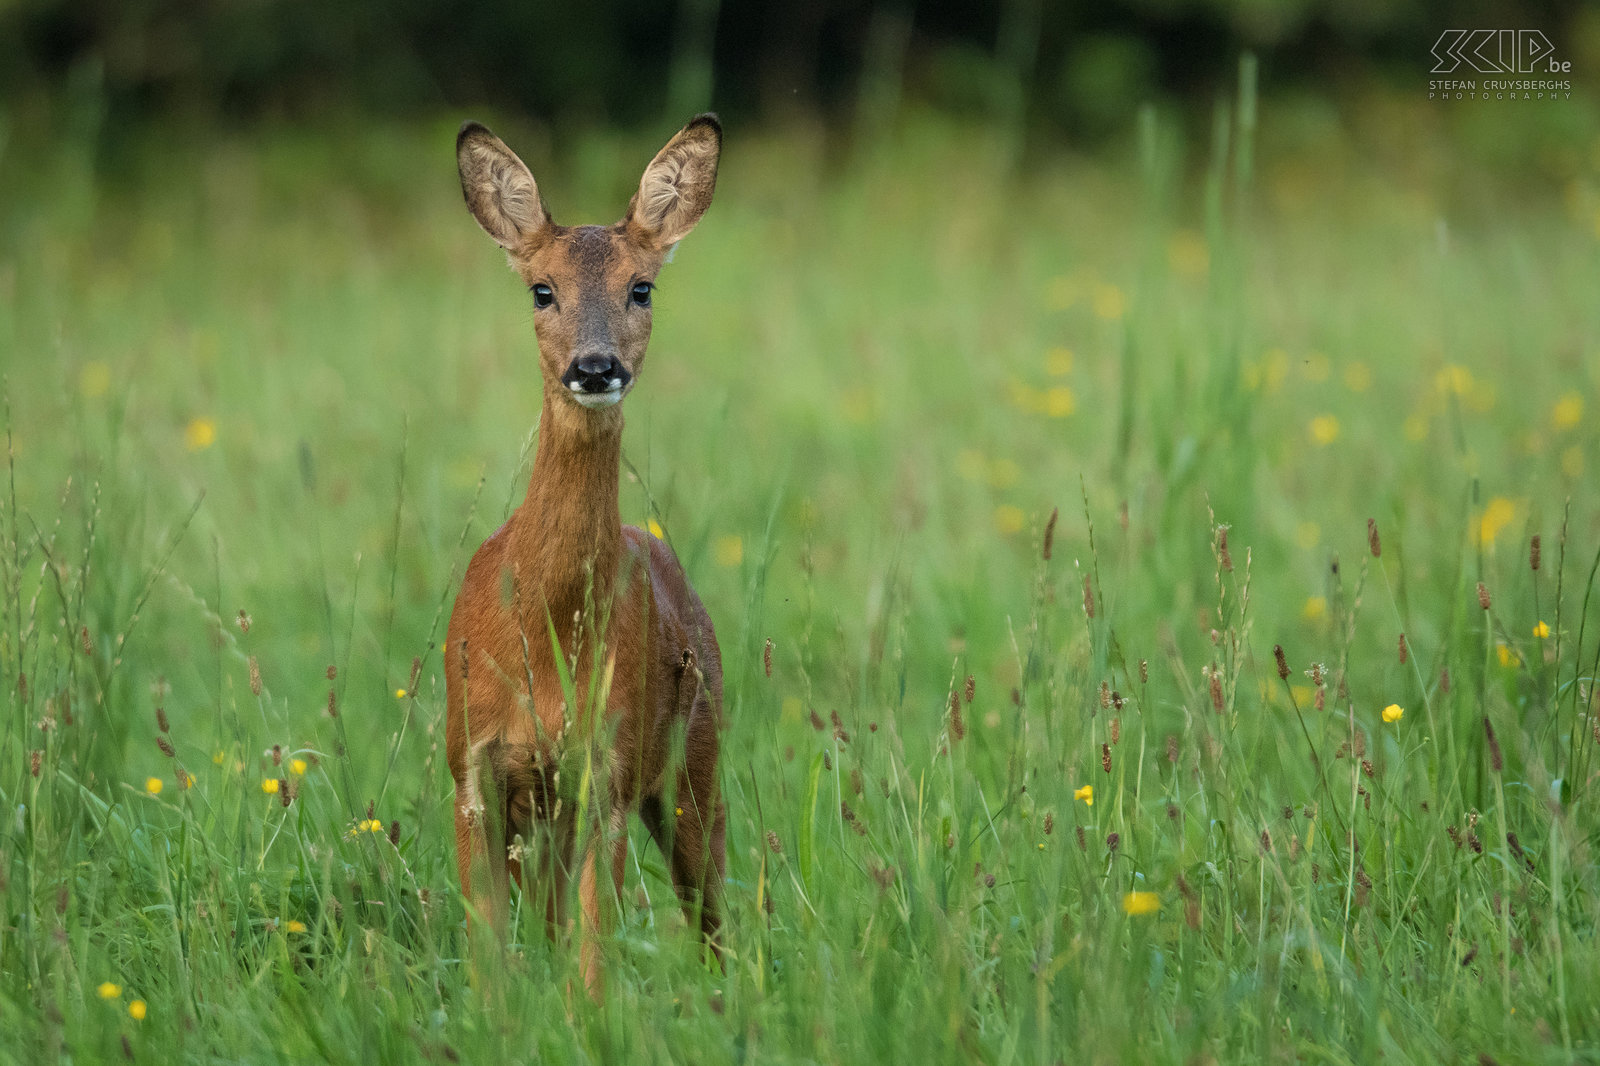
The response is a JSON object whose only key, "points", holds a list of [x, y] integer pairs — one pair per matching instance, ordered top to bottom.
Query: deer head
{"points": [[591, 285]]}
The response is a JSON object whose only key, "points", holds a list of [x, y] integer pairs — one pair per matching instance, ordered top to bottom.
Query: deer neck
{"points": [[570, 528]]}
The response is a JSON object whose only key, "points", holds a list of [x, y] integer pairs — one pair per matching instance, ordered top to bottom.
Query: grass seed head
{"points": [[1050, 533], [1373, 544], [1534, 553], [1224, 557], [1483, 595], [1088, 597], [244, 622], [84, 641], [1404, 652], [766, 657], [1283, 663], [333, 671], [1144, 671], [255, 677], [971, 689], [1216, 689], [958, 725], [1116, 728], [166, 746], [1105, 757], [35, 761], [1496, 763], [1112, 840], [774, 845]]}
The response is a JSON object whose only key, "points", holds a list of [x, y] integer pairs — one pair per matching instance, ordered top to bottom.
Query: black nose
{"points": [[595, 373]]}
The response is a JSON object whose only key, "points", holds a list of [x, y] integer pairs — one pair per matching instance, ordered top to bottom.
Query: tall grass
{"points": [[1133, 795]]}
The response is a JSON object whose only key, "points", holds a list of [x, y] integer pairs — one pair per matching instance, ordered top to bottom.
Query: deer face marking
{"points": [[591, 285]]}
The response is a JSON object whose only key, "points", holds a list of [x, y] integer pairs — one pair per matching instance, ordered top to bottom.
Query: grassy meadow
{"points": [[1023, 463]]}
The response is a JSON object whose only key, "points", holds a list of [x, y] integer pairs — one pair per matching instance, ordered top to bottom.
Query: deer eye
{"points": [[641, 293], [542, 296]]}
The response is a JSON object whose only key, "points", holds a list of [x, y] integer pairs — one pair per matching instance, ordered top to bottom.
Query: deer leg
{"points": [[691, 832], [481, 862], [597, 919]]}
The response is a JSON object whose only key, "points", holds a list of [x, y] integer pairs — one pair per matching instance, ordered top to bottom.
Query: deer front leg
{"points": [[481, 860], [597, 921]]}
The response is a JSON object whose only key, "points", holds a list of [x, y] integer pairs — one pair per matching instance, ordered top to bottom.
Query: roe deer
{"points": [[572, 629]]}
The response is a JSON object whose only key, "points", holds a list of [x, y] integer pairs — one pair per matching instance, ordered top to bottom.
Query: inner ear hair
{"points": [[678, 184], [498, 187]]}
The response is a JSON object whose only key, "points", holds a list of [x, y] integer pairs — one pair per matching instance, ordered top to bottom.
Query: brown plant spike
{"points": [[1373, 543]]}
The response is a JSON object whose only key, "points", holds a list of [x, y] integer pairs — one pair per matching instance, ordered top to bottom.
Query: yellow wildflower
{"points": [[1187, 254], [1109, 302], [1453, 378], [94, 380], [1059, 402], [1568, 411], [1325, 429], [200, 434], [1496, 516], [1008, 519], [655, 529], [1308, 535], [729, 550], [1315, 608], [1541, 631], [1507, 656], [399, 693], [1393, 713], [219, 757], [297, 767], [152, 785], [269, 785], [1086, 793], [678, 811], [1137, 903], [295, 926], [109, 990], [137, 1010]]}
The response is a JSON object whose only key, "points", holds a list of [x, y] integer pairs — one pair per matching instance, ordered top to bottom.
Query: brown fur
{"points": [[565, 560]]}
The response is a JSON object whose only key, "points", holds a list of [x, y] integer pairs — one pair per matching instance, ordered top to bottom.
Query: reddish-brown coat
{"points": [[564, 560]]}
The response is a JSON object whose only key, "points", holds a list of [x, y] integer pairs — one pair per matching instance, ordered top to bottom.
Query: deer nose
{"points": [[596, 372]]}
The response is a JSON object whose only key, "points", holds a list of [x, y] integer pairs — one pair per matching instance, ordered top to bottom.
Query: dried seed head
{"points": [[1050, 533], [1373, 544], [1534, 552], [1224, 557], [1483, 596], [1088, 597], [244, 621], [85, 642], [1405, 653], [1283, 663], [333, 671], [1144, 671], [416, 673], [1316, 674], [255, 677], [1444, 681], [972, 688], [1216, 689], [1105, 695], [1321, 698], [333, 705], [161, 720], [816, 721], [958, 725], [1116, 730], [166, 746], [1172, 748], [276, 752], [1105, 757], [35, 761], [827, 761], [1496, 763], [1366, 767], [285, 791], [372, 806], [1049, 823], [394, 833], [1454, 834], [1112, 840], [1266, 841], [1474, 843], [1083, 844], [774, 845], [1316, 873], [988, 880]]}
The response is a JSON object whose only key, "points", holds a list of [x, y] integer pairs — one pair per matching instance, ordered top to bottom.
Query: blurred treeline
{"points": [[1079, 68]]}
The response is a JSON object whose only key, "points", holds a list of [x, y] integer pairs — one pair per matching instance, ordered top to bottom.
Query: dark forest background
{"points": [[1080, 69]]}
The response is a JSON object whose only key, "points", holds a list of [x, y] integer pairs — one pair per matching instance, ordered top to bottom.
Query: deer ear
{"points": [[677, 185], [499, 188]]}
